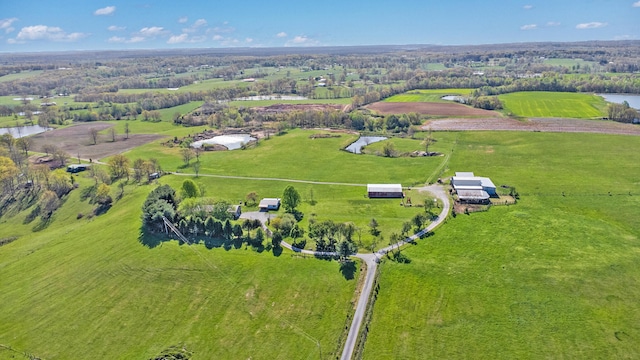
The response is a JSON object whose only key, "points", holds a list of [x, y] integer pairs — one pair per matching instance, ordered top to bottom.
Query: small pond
{"points": [[456, 98], [632, 99], [21, 131], [231, 141], [356, 146]]}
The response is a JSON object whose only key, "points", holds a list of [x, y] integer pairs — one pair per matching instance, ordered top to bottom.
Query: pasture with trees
{"points": [[573, 233]]}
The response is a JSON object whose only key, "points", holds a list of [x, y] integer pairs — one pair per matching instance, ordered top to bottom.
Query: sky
{"points": [[70, 25]]}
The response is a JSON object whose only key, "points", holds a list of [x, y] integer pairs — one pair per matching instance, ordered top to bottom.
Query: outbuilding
{"points": [[468, 181], [384, 191], [269, 204]]}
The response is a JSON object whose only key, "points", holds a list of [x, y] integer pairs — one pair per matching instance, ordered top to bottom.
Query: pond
{"points": [[456, 98], [632, 99], [20, 131], [231, 141], [363, 141]]}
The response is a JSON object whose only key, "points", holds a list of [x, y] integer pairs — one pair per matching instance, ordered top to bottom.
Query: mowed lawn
{"points": [[430, 95], [553, 104], [551, 277], [88, 289]]}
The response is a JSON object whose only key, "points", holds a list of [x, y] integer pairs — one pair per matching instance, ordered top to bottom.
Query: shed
{"points": [[468, 181], [384, 191], [473, 196], [269, 204]]}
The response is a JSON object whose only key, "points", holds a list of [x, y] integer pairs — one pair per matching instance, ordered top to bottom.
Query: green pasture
{"points": [[569, 63], [21, 75], [431, 95], [253, 103], [553, 104], [553, 276], [90, 288]]}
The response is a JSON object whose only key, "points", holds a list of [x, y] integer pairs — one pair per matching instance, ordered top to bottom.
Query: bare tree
{"points": [[126, 129], [112, 131], [93, 135], [187, 155]]}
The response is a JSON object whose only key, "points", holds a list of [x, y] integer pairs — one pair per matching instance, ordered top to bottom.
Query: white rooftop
{"points": [[384, 188]]}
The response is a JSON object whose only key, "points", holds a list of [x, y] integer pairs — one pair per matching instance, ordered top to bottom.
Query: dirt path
{"points": [[533, 124]]}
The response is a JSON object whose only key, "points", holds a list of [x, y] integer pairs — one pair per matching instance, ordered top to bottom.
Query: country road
{"points": [[371, 260]]}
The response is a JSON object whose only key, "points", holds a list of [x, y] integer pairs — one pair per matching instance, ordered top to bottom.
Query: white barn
{"points": [[467, 181], [384, 191]]}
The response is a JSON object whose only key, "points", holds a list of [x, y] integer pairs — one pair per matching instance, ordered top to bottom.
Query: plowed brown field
{"points": [[438, 109], [534, 124]]}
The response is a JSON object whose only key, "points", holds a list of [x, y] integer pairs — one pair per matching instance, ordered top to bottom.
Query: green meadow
{"points": [[431, 95], [553, 104], [551, 277], [89, 288]]}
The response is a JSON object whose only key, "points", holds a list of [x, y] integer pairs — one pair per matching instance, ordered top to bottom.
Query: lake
{"points": [[455, 98], [632, 99], [20, 131], [231, 141], [363, 141]]}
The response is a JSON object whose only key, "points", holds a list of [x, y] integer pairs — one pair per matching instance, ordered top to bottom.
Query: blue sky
{"points": [[142, 24]]}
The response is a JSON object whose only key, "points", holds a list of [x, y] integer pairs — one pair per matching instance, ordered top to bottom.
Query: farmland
{"points": [[434, 95], [551, 104], [552, 276]]}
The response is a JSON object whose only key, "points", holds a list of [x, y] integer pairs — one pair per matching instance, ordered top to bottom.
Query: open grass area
{"points": [[570, 63], [21, 75], [431, 95], [553, 104], [553, 276], [87, 289]]}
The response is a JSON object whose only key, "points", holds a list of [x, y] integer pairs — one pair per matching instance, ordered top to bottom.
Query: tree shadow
{"points": [[149, 239], [276, 251], [348, 269]]}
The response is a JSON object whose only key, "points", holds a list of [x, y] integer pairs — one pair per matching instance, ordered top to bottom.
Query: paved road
{"points": [[372, 263]]}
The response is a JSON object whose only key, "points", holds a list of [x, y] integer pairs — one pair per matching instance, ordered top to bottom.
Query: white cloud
{"points": [[636, 4], [528, 7], [105, 10], [183, 19], [199, 23], [553, 23], [5, 24], [591, 25], [529, 27], [116, 28], [223, 30], [43, 32], [151, 32], [281, 34], [218, 37], [624, 37], [116, 39], [136, 39], [177, 39], [248, 40], [301, 40]]}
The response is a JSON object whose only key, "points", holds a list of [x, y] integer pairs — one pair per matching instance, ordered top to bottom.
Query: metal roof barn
{"points": [[384, 191]]}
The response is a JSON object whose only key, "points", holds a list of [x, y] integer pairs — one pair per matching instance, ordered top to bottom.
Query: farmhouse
{"points": [[473, 189], [384, 191], [269, 204]]}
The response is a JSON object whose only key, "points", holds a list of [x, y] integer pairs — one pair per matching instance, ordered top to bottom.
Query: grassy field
{"points": [[569, 63], [21, 75], [432, 95], [553, 104], [279, 158], [551, 277], [87, 289]]}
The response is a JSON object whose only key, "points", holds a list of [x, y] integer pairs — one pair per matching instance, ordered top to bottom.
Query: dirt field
{"points": [[281, 108], [438, 109], [534, 124], [75, 140]]}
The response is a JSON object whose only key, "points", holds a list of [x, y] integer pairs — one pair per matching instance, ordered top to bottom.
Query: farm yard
{"points": [[88, 273]]}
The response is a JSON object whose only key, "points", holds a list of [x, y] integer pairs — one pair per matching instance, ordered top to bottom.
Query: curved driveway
{"points": [[372, 263]]}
